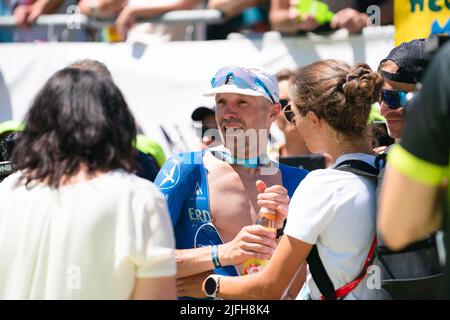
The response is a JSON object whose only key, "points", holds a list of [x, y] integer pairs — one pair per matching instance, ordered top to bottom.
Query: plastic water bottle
{"points": [[318, 9], [265, 218]]}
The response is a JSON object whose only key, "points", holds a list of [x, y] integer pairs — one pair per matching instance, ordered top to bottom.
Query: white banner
{"points": [[163, 82]]}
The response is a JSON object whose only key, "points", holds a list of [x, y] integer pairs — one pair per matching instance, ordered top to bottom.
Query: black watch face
{"points": [[210, 286]]}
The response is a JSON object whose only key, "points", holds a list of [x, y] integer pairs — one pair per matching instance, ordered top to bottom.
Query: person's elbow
{"points": [[396, 237]]}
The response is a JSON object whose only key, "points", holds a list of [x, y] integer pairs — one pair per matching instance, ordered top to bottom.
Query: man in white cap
{"points": [[215, 195]]}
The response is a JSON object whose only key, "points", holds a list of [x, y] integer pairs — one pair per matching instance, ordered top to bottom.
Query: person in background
{"points": [[101, 8], [145, 9], [5, 10], [27, 11], [349, 14], [240, 15], [402, 70], [207, 117], [11, 126], [9, 131], [378, 133], [294, 144], [151, 148], [150, 155], [418, 170], [75, 222]]}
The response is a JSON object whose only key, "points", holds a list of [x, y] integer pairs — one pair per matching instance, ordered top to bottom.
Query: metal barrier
{"points": [[208, 16], [195, 18]]}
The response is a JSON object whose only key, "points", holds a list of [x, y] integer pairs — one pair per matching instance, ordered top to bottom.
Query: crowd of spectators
{"points": [[244, 16]]}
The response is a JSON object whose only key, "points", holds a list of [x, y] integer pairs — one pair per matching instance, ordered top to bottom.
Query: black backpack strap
{"points": [[380, 161], [358, 167], [316, 267], [320, 275]]}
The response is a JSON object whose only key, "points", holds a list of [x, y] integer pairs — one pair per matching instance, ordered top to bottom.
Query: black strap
{"points": [[404, 76], [380, 160], [358, 167], [426, 243], [316, 267], [320, 275]]}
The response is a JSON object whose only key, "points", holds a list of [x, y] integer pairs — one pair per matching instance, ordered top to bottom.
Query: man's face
{"points": [[239, 116], [394, 118]]}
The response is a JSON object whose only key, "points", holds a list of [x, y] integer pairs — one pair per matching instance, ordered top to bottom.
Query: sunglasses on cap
{"points": [[240, 77], [393, 99], [289, 113]]}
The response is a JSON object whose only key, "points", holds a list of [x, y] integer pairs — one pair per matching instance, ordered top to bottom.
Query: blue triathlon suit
{"points": [[183, 181]]}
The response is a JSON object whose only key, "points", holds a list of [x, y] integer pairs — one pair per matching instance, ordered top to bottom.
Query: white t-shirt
{"points": [[336, 211], [89, 240]]}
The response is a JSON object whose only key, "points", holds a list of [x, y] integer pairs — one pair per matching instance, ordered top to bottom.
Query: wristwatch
{"points": [[212, 284]]}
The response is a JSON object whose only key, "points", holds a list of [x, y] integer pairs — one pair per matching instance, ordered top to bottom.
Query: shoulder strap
{"points": [[380, 161], [358, 167], [316, 267], [320, 275]]}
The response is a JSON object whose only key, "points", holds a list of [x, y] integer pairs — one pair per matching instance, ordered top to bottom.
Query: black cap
{"points": [[411, 58], [201, 112]]}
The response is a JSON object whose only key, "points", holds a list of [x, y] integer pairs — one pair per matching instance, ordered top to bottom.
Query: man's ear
{"points": [[275, 111]]}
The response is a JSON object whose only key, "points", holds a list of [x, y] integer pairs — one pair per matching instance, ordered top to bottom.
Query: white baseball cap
{"points": [[251, 82]]}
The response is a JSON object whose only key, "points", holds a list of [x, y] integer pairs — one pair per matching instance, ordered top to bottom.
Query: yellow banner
{"points": [[415, 19]]}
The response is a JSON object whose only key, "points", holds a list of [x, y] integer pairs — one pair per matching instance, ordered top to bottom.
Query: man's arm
{"points": [[154, 8], [27, 14], [129, 14], [409, 210], [253, 241], [193, 261], [194, 265]]}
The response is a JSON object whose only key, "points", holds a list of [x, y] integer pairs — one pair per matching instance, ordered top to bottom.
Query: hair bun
{"points": [[362, 85]]}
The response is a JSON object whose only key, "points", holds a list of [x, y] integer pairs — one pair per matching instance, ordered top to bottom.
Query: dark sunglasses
{"points": [[394, 99], [284, 103], [289, 113]]}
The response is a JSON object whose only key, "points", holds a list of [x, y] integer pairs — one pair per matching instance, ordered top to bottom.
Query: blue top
{"points": [[183, 181]]}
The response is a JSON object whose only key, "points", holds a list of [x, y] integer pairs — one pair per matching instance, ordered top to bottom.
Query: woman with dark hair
{"points": [[332, 212], [75, 222]]}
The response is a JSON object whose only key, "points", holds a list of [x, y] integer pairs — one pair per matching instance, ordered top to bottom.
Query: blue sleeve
{"points": [[292, 177], [174, 180]]}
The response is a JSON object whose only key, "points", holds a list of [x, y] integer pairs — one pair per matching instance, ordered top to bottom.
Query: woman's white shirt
{"points": [[335, 210], [90, 240]]}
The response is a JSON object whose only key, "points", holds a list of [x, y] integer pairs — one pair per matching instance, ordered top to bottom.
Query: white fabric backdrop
{"points": [[163, 82]]}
